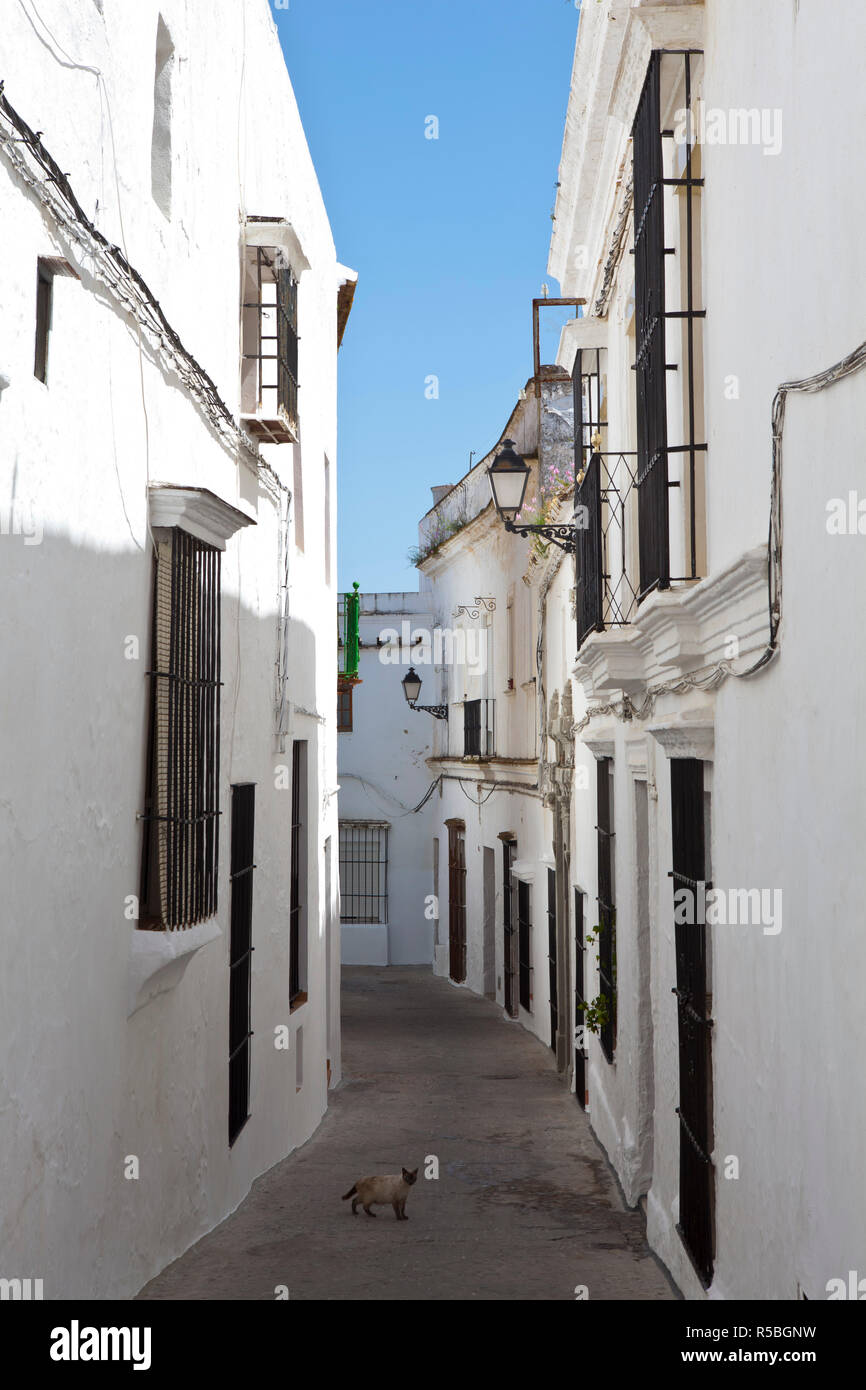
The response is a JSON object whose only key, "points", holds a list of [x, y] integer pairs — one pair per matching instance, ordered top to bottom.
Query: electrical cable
{"points": [[407, 810]]}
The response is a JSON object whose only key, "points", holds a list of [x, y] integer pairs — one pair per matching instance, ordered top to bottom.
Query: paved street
{"points": [[524, 1206]]}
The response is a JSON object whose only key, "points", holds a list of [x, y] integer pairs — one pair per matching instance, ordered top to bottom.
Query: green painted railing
{"points": [[349, 613]]}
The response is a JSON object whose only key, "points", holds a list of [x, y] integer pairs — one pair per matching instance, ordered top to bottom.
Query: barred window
{"points": [[180, 846], [364, 872]]}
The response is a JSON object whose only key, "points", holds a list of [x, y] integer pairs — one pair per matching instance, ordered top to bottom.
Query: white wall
{"points": [[787, 798], [83, 1084]]}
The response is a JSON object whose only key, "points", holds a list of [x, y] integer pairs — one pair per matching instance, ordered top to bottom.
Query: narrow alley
{"points": [[524, 1207]]}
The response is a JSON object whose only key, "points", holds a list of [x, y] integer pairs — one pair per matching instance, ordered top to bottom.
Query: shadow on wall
{"points": [[84, 1084]]}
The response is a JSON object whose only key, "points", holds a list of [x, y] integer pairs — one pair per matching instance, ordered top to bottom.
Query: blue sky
{"points": [[449, 236]]}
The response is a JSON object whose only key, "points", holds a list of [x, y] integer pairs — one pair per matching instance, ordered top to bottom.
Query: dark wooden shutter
{"points": [[650, 366], [509, 848], [298, 869], [457, 902], [524, 945], [240, 954], [551, 955], [694, 1024]]}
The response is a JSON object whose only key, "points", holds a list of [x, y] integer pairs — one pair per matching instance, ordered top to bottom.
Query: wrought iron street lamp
{"points": [[509, 474], [411, 684]]}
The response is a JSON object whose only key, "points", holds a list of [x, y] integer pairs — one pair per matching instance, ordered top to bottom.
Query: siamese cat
{"points": [[379, 1191]]}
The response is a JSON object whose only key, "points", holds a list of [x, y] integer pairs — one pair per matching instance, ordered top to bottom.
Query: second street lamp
{"points": [[509, 474], [411, 684]]}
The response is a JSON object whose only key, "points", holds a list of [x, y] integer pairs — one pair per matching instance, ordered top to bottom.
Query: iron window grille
{"points": [[269, 377], [623, 489], [478, 728], [180, 846], [364, 872], [298, 879], [606, 908], [524, 945], [240, 955], [551, 955], [694, 1023]]}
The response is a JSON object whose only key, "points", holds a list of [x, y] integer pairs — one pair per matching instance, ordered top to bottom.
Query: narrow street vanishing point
{"points": [[524, 1207]]}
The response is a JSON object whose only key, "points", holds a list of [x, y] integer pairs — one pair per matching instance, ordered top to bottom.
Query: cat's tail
{"points": [[351, 1193]]}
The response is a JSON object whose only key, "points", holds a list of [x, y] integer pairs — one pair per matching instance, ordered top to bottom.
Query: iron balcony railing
{"points": [[613, 508]]}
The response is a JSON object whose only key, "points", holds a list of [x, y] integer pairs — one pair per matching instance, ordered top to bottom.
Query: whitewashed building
{"points": [[171, 308], [660, 732], [500, 823], [716, 840], [386, 907]]}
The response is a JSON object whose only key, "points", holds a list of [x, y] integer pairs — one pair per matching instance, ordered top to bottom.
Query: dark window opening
{"points": [[44, 305], [477, 728], [180, 848], [298, 886], [457, 902], [606, 908], [509, 942], [524, 945], [240, 955], [551, 955], [579, 1001], [697, 1220]]}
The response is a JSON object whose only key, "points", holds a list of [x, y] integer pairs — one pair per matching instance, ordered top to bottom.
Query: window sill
{"points": [[158, 960], [298, 1001]]}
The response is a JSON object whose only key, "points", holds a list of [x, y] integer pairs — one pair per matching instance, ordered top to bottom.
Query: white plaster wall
{"points": [[383, 775], [787, 797], [82, 1085]]}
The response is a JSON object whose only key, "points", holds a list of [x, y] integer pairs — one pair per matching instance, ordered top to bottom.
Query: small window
{"points": [[44, 299], [269, 366], [344, 709]]}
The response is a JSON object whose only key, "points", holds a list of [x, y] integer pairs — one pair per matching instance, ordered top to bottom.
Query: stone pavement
{"points": [[525, 1206]]}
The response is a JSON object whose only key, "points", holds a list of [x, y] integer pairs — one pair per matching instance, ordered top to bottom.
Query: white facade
{"points": [[183, 145], [507, 603], [709, 707], [782, 793], [386, 867]]}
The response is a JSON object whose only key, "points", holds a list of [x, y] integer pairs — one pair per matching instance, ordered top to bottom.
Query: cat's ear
{"points": [[406, 1174], [413, 1175]]}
